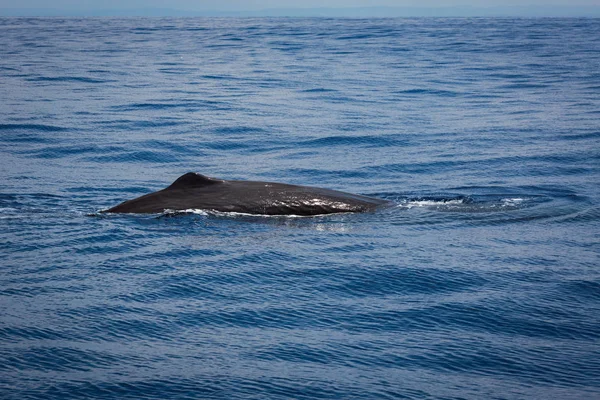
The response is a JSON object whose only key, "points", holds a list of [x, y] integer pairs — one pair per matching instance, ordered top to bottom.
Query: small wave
{"points": [[357, 36], [80, 79], [523, 85], [318, 90], [435, 92], [32, 127], [227, 130], [362, 140], [60, 151], [135, 157], [8, 213], [586, 215]]}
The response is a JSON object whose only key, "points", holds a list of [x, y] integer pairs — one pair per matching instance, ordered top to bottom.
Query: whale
{"points": [[194, 191]]}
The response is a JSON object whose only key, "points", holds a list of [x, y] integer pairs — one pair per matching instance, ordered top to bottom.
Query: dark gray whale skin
{"points": [[196, 191]]}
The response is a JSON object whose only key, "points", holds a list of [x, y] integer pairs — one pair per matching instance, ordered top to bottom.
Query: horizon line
{"points": [[315, 12]]}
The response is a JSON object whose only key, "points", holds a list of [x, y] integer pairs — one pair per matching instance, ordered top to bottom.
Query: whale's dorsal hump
{"points": [[193, 180]]}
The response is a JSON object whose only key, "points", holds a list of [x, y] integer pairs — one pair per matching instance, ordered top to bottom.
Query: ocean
{"points": [[482, 281]]}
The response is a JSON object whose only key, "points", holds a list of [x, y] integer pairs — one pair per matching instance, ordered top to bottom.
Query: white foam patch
{"points": [[512, 202], [431, 203]]}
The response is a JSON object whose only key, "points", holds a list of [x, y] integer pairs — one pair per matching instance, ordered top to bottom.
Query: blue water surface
{"points": [[482, 281]]}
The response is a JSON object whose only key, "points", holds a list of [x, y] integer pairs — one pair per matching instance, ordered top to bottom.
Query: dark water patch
{"points": [[196, 29], [145, 31], [357, 36], [35, 45], [286, 47], [341, 52], [101, 71], [177, 71], [510, 76], [219, 77], [77, 79], [523, 85], [318, 90], [434, 92], [188, 105], [158, 123], [137, 124], [32, 127], [233, 130], [581, 135], [34, 139], [352, 141], [227, 145], [172, 146], [55, 152], [300, 155], [136, 157], [538, 165], [324, 173], [32, 197], [8, 200], [29, 205], [587, 215], [402, 281], [184, 287], [37, 290], [582, 290], [173, 291], [108, 311], [272, 317], [474, 318], [129, 329], [18, 334], [298, 353], [480, 358], [59, 359], [491, 360], [211, 386], [130, 389]]}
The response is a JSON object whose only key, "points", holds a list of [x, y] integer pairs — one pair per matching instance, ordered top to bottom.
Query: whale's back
{"points": [[196, 191]]}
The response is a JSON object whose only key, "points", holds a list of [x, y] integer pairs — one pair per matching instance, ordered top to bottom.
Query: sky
{"points": [[241, 6]]}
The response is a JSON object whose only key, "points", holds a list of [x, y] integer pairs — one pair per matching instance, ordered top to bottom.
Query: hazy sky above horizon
{"points": [[243, 5]]}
